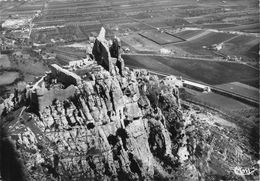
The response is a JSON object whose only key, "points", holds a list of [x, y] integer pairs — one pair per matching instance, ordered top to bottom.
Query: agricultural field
{"points": [[23, 9], [141, 16], [82, 19], [75, 21], [164, 23], [218, 26], [132, 27], [249, 28], [88, 29], [189, 34], [44, 36], [160, 38], [139, 43], [202, 44], [244, 46], [65, 54], [210, 72], [241, 89], [221, 102], [237, 111]]}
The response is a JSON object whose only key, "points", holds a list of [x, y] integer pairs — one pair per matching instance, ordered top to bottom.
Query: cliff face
{"points": [[117, 125], [113, 127], [108, 129]]}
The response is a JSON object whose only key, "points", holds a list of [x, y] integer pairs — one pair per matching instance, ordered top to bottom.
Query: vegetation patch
{"points": [[4, 61], [7, 78]]}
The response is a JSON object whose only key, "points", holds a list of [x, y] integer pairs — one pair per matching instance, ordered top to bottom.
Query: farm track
{"points": [[230, 39]]}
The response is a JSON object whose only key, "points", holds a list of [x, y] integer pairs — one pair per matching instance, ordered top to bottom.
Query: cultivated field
{"points": [[81, 19], [75, 21], [169, 22], [218, 26], [132, 27], [250, 28], [188, 34], [160, 38], [140, 43], [195, 46], [246, 47], [210, 72], [241, 89], [222, 102]]}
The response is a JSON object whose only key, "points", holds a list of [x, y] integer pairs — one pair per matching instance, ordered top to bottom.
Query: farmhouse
{"points": [[165, 51]]}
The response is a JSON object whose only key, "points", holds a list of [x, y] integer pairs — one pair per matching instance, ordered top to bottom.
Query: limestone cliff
{"points": [[111, 124]]}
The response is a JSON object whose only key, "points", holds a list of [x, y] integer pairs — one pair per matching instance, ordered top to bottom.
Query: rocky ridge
{"points": [[112, 124]]}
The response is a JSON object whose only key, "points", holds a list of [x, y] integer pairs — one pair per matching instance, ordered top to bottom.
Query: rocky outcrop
{"points": [[107, 56], [64, 76], [108, 127]]}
